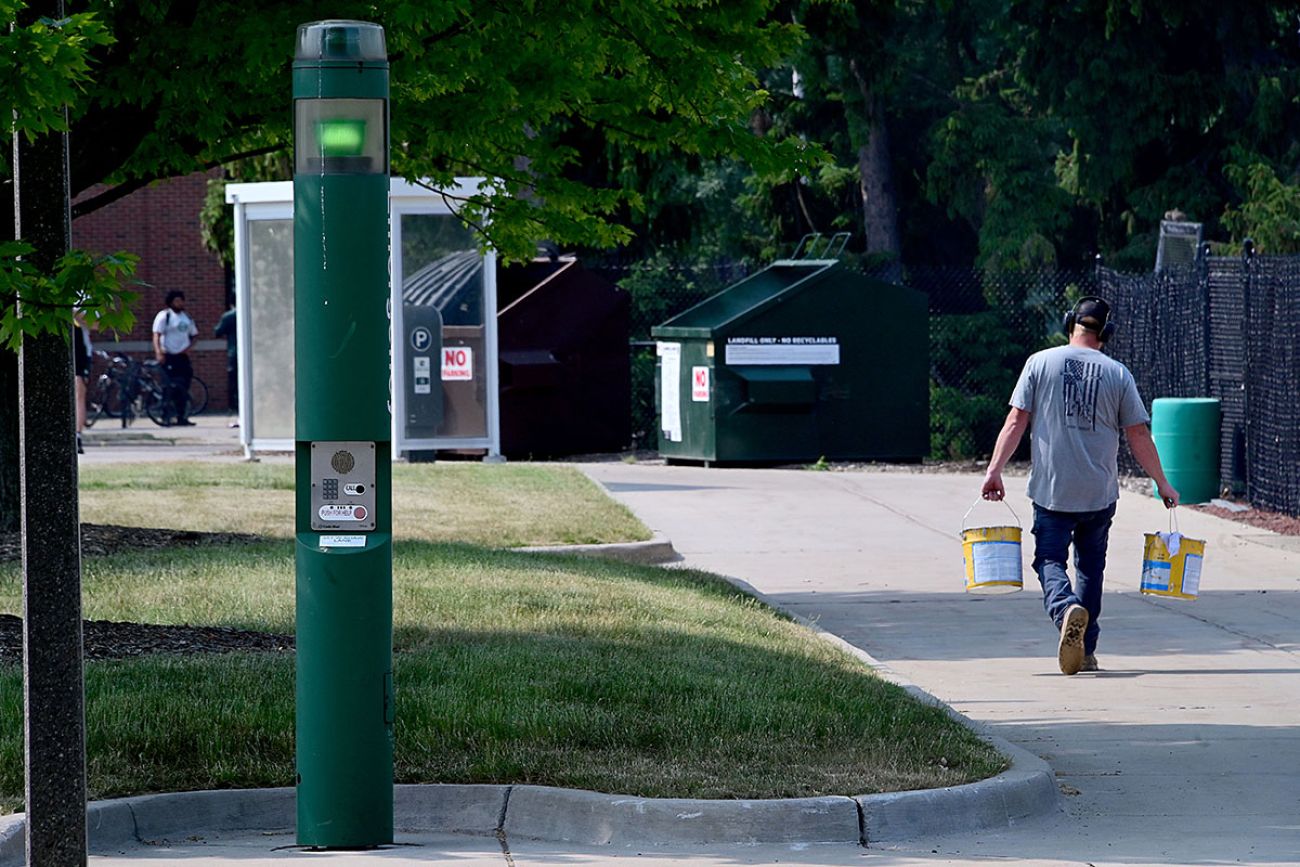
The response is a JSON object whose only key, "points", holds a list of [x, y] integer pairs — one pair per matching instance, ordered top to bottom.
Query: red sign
{"points": [[457, 363], [699, 384]]}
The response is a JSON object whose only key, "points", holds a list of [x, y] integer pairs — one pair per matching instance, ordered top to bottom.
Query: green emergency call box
{"points": [[803, 360], [343, 438]]}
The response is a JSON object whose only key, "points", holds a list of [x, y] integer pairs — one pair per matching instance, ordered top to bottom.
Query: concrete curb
{"points": [[659, 549], [1026, 790], [531, 812], [595, 819], [13, 840]]}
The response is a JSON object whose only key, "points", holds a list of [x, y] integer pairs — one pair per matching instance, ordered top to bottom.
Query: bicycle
{"points": [[129, 388], [103, 396]]}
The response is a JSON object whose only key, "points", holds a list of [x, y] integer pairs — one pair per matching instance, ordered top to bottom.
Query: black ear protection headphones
{"points": [[1102, 312]]}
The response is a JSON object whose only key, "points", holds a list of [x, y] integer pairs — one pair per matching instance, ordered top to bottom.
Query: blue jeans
{"points": [[1090, 533]]}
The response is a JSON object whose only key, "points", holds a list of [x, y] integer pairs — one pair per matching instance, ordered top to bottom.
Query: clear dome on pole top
{"points": [[356, 41]]}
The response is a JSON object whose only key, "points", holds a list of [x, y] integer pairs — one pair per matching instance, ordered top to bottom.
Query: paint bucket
{"points": [[992, 556], [1171, 563]]}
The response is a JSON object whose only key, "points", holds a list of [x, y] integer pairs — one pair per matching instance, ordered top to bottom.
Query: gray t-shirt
{"points": [[1080, 400]]}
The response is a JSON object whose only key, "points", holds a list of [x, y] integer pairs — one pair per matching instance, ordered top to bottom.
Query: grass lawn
{"points": [[506, 505], [510, 668]]}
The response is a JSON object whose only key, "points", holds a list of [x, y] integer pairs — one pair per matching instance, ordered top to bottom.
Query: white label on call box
{"points": [[457, 363], [699, 384], [343, 512], [343, 541]]}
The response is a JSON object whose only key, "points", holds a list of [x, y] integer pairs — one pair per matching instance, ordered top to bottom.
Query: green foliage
{"points": [[44, 66], [528, 97], [1028, 133], [1269, 213], [217, 219], [33, 303], [975, 359], [644, 414], [962, 425]]}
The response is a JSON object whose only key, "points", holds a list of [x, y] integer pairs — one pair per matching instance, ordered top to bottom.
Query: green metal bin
{"points": [[803, 360]]}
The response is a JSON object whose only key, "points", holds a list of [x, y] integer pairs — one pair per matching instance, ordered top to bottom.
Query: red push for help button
{"points": [[335, 512]]}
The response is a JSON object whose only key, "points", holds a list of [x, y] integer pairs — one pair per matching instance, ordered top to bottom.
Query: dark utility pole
{"points": [[53, 690]]}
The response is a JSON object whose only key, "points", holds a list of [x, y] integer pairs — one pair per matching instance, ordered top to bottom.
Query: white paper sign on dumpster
{"points": [[457, 363], [670, 390]]}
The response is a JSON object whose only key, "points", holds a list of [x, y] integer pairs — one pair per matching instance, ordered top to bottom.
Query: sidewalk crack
{"points": [[500, 831]]}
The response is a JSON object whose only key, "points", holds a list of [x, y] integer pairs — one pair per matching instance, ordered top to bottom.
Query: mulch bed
{"points": [[1275, 521], [104, 539], [103, 639]]}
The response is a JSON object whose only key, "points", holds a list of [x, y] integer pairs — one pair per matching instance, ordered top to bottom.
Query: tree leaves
{"points": [[44, 66], [527, 95], [34, 303]]}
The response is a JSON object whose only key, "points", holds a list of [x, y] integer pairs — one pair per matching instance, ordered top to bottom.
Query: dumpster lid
{"points": [[746, 298]]}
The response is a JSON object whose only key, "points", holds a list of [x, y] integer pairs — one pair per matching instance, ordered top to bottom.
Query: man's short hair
{"points": [[172, 296]]}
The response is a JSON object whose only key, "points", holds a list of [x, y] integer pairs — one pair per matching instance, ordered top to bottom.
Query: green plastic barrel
{"points": [[1186, 433]]}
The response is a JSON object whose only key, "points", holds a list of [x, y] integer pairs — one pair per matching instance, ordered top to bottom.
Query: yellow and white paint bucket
{"points": [[992, 556], [1171, 563]]}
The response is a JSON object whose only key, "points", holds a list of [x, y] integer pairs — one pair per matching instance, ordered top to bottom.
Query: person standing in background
{"points": [[226, 328], [173, 334], [81, 362]]}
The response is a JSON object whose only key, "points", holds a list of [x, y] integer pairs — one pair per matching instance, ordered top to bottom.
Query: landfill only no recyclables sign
{"points": [[457, 363]]}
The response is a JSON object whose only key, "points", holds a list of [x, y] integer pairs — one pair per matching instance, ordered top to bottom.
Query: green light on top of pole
{"points": [[355, 41], [341, 137]]}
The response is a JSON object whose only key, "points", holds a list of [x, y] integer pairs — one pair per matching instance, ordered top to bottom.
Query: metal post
{"points": [[1247, 254], [1207, 334], [343, 437]]}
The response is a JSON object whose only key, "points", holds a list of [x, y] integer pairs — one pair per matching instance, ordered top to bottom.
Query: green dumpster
{"points": [[804, 360]]}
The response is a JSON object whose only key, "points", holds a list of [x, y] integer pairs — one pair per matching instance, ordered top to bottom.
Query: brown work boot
{"points": [[1069, 653], [1090, 663]]}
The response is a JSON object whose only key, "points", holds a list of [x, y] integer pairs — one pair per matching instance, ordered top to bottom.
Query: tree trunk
{"points": [[876, 175], [53, 679]]}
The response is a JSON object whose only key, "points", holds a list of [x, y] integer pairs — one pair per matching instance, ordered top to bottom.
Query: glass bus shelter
{"points": [[444, 388]]}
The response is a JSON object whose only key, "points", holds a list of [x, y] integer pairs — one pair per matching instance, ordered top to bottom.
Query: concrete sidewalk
{"points": [[211, 438], [1183, 750]]}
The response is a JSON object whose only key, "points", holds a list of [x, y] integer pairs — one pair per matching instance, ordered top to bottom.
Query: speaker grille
{"points": [[343, 462]]}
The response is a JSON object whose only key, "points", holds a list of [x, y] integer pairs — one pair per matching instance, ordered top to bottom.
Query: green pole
{"points": [[343, 432]]}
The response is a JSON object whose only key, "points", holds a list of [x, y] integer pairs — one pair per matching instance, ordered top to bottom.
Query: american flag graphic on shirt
{"points": [[1081, 380]]}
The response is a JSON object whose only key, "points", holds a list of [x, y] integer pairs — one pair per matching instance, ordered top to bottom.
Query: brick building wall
{"points": [[160, 224]]}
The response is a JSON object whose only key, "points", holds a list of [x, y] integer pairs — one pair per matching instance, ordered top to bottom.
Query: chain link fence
{"points": [[659, 291], [1226, 328]]}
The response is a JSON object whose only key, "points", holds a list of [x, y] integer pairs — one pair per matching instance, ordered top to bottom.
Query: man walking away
{"points": [[173, 333], [1075, 400]]}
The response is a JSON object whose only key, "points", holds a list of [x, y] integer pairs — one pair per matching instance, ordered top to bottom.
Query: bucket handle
{"points": [[978, 500]]}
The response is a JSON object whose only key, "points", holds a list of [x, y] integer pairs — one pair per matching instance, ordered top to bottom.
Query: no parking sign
{"points": [[457, 363]]}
